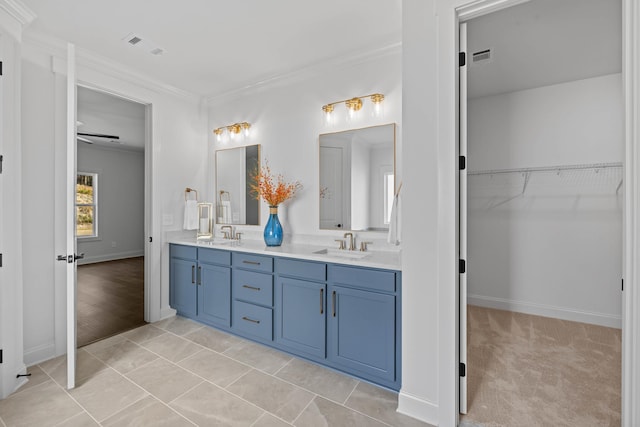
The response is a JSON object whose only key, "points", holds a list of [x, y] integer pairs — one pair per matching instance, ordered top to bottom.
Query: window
{"points": [[389, 193], [87, 205]]}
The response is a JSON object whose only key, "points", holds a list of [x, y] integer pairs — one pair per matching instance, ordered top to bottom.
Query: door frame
{"points": [[464, 10]]}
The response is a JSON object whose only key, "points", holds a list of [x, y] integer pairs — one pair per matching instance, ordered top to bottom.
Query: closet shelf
{"points": [[548, 168]]}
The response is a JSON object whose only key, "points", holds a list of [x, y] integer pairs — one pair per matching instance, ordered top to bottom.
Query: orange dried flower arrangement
{"points": [[273, 190]]}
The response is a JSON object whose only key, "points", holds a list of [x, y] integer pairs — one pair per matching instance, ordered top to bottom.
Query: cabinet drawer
{"points": [[184, 252], [214, 256], [253, 262], [302, 269], [379, 280], [253, 287], [252, 319]]}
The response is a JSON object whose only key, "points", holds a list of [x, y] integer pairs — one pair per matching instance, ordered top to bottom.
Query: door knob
{"points": [[81, 256], [61, 258]]}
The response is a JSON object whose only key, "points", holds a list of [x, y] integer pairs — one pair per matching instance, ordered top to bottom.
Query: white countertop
{"points": [[376, 259]]}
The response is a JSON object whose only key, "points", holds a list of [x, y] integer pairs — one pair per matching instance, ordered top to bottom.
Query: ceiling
{"points": [[545, 42], [213, 46]]}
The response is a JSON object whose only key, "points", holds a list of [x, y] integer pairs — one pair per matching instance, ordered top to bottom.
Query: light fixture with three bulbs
{"points": [[354, 105], [232, 130]]}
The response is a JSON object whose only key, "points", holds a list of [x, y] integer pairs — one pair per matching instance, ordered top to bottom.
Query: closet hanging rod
{"points": [[549, 168]]}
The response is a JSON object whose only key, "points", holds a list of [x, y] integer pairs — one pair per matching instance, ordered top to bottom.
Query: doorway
{"points": [[544, 205], [110, 214]]}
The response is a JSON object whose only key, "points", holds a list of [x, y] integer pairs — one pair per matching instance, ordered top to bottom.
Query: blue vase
{"points": [[273, 229]]}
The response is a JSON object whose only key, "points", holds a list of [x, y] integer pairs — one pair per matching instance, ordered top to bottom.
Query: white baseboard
{"points": [[110, 257], [167, 312], [563, 313], [39, 354], [418, 408]]}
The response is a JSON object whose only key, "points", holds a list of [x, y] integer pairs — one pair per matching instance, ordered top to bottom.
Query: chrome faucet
{"points": [[227, 234], [352, 241]]}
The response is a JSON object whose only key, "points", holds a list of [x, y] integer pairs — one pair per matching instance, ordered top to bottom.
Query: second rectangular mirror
{"points": [[357, 178], [235, 203]]}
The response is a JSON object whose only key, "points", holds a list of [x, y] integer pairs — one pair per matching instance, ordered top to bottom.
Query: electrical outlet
{"points": [[113, 244]]}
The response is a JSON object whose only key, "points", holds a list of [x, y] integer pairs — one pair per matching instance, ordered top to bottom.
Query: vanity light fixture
{"points": [[354, 105], [232, 130]]}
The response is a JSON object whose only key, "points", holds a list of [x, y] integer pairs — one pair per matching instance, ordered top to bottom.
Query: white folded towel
{"points": [[225, 207], [191, 215], [395, 225]]}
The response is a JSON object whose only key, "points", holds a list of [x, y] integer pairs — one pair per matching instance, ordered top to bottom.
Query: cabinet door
{"points": [[183, 286], [214, 294], [300, 315], [362, 332]]}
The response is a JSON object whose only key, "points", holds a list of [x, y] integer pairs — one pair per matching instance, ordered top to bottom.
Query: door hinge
{"points": [[462, 59], [0, 68], [1, 160], [462, 163], [150, 239], [0, 260], [462, 268], [622, 279], [1, 355], [463, 369]]}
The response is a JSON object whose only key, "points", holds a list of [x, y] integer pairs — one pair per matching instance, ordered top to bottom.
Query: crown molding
{"points": [[18, 10], [86, 58], [312, 70]]}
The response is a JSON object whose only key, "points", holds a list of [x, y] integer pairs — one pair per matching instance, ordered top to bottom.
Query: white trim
{"points": [[479, 8], [18, 10], [111, 257], [631, 294], [564, 313], [39, 354], [421, 409]]}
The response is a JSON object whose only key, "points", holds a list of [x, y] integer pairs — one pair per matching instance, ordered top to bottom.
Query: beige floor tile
{"points": [[178, 325], [143, 333], [213, 339], [102, 344], [172, 347], [125, 356], [258, 356], [87, 366], [219, 369], [38, 376], [164, 380], [319, 380], [106, 393], [271, 394], [380, 404], [41, 405], [209, 405], [147, 412], [322, 412], [81, 420], [268, 420]]}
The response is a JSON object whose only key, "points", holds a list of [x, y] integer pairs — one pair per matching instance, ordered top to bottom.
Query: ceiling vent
{"points": [[145, 44], [481, 57]]}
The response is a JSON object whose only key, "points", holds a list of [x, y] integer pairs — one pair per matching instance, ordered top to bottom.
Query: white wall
{"points": [[287, 118], [120, 202], [557, 249]]}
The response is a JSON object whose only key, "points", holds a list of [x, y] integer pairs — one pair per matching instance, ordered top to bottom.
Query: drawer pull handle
{"points": [[251, 262], [193, 274], [199, 275], [253, 288], [321, 301], [333, 303], [250, 320]]}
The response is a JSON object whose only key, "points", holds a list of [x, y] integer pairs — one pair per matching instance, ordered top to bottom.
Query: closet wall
{"points": [[556, 248]]}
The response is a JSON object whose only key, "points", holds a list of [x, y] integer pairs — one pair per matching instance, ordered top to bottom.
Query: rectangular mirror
{"points": [[234, 170], [357, 178]]}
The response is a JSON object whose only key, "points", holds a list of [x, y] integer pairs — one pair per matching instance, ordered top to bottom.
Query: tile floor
{"points": [[179, 373]]}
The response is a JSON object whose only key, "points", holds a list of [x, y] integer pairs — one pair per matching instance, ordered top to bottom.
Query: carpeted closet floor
{"points": [[110, 298], [539, 371]]}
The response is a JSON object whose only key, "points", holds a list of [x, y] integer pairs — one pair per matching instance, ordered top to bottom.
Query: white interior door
{"points": [[331, 183], [67, 211], [463, 224]]}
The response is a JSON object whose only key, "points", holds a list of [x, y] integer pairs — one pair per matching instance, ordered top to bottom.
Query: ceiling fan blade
{"points": [[99, 135], [83, 139]]}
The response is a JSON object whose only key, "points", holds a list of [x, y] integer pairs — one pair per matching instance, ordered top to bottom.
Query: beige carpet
{"points": [[536, 371]]}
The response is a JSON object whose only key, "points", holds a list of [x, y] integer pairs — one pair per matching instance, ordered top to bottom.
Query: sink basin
{"points": [[215, 242], [341, 253]]}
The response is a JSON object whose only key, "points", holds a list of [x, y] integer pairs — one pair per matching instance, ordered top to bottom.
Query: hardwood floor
{"points": [[110, 298]]}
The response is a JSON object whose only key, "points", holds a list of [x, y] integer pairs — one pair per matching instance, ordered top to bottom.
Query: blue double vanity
{"points": [[342, 314]]}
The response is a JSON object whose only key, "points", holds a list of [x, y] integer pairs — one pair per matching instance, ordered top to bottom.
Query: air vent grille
{"points": [[134, 40], [481, 56]]}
